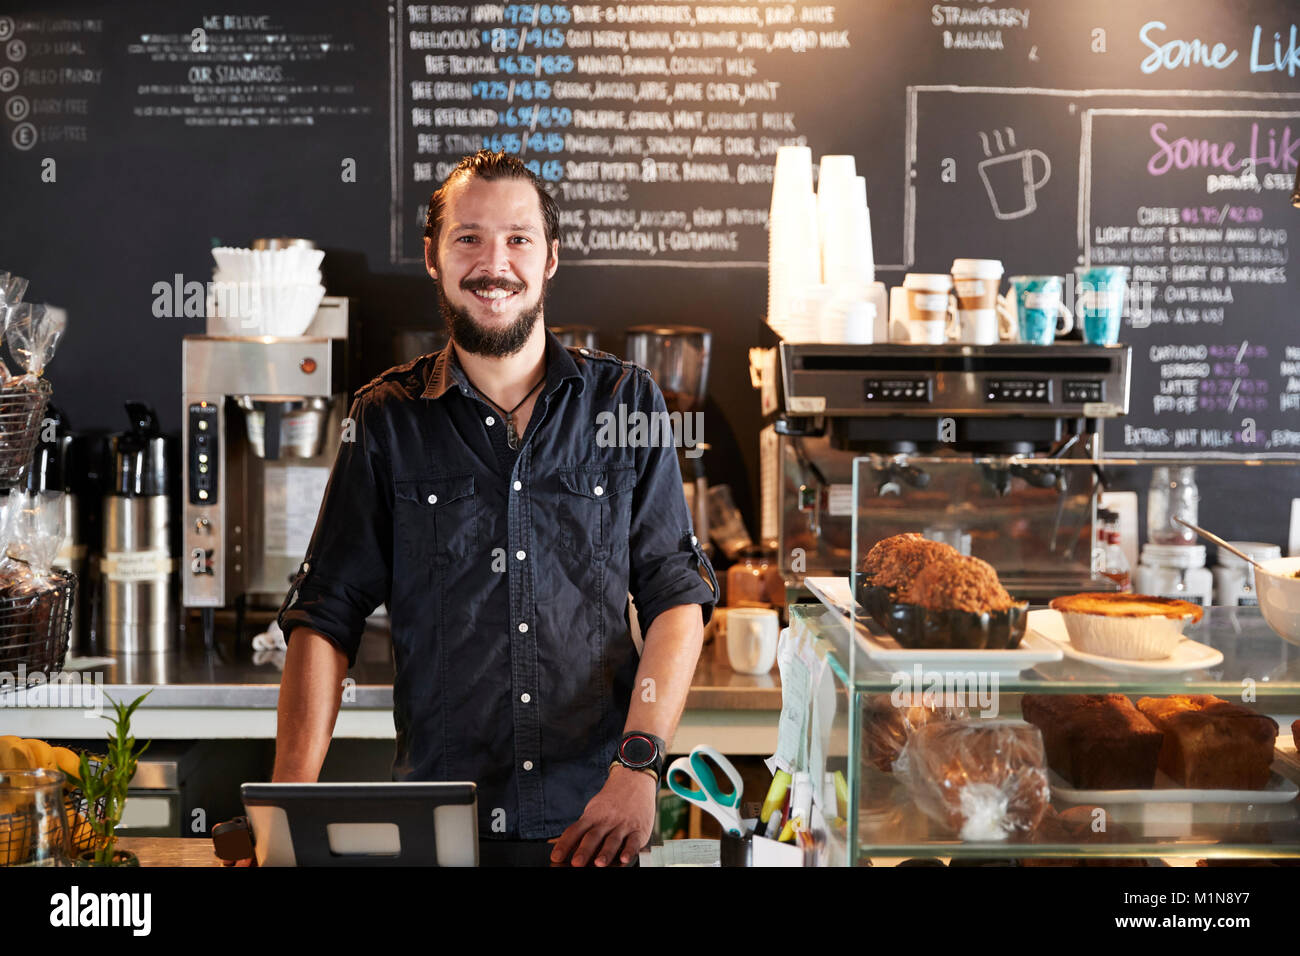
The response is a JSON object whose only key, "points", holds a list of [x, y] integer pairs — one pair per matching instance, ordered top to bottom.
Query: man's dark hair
{"points": [[492, 166]]}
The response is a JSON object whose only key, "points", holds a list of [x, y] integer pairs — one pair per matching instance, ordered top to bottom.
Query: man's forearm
{"points": [[663, 679], [310, 691]]}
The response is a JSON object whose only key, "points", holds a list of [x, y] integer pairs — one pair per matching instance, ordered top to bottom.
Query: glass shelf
{"points": [[1251, 652]]}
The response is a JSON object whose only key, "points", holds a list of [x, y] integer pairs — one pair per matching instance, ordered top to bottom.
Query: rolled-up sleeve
{"points": [[667, 565], [347, 571]]}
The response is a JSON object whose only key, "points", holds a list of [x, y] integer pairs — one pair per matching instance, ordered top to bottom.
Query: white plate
{"points": [[836, 594], [1188, 655], [1278, 790]]}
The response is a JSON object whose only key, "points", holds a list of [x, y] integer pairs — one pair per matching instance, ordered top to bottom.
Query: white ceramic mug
{"points": [[751, 639]]}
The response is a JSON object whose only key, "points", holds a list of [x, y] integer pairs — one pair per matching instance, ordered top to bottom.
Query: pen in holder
{"points": [[737, 850]]}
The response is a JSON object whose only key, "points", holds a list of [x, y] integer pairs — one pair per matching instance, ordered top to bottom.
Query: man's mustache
{"points": [[482, 285]]}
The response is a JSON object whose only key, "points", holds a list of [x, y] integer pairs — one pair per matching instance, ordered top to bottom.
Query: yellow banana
{"points": [[14, 754], [42, 754], [70, 763]]}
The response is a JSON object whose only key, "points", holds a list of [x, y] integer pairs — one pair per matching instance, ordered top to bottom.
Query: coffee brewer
{"points": [[677, 357], [262, 419], [962, 442]]}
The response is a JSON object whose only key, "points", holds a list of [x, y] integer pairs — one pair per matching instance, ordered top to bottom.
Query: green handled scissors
{"points": [[692, 779]]}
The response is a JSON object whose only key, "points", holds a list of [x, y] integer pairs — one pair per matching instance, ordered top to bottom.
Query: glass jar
{"points": [[1173, 493], [1175, 571], [755, 579], [33, 827]]}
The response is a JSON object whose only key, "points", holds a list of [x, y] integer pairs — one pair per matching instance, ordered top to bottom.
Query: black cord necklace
{"points": [[512, 437]]}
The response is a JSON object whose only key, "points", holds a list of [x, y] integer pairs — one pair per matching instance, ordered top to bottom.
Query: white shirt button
{"points": [[584, 351], [490, 421], [518, 485], [598, 491], [433, 499], [694, 540], [520, 555], [306, 567], [523, 627], [525, 697], [528, 765]]}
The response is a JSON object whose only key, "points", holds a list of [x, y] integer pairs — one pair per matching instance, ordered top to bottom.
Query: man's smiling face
{"points": [[492, 264]]}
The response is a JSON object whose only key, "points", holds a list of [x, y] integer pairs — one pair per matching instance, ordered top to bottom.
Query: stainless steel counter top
{"points": [[191, 678]]}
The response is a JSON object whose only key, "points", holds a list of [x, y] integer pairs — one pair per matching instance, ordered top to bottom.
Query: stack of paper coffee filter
{"points": [[821, 268], [265, 291]]}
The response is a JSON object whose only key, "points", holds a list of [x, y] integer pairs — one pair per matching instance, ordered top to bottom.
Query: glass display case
{"points": [[969, 779]]}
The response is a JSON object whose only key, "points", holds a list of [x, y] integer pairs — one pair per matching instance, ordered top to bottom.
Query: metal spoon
{"points": [[1221, 543]]}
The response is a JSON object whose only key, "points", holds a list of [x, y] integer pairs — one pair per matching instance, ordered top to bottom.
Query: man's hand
{"points": [[616, 822]]}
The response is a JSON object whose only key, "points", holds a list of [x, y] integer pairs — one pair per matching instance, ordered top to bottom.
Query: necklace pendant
{"points": [[512, 438]]}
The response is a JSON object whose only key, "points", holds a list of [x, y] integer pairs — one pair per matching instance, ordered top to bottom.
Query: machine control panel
{"points": [[893, 390], [1018, 391], [1081, 392], [203, 453]]}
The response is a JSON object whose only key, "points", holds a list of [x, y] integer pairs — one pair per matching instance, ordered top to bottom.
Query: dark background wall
{"points": [[146, 182]]}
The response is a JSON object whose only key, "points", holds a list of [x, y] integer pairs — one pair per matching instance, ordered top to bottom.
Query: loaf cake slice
{"points": [[1095, 741], [1212, 744]]}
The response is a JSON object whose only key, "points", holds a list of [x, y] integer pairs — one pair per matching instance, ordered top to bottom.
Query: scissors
{"points": [[701, 786]]}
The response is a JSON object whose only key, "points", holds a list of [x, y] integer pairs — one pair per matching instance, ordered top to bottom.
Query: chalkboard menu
{"points": [[1162, 135]]}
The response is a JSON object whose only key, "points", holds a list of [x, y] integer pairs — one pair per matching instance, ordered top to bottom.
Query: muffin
{"points": [[895, 561], [958, 583], [1135, 627]]}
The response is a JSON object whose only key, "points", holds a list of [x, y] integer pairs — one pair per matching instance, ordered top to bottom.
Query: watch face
{"points": [[638, 751]]}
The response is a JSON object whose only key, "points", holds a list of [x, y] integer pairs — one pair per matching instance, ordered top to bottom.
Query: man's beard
{"points": [[490, 343]]}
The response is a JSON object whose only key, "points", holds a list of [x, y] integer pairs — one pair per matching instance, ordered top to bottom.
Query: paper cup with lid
{"points": [[976, 283], [930, 306]]}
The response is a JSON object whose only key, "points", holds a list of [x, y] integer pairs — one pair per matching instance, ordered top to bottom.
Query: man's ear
{"points": [[429, 253], [555, 258]]}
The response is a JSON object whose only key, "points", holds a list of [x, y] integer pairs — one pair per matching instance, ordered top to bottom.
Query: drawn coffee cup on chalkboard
{"points": [[1009, 178]]}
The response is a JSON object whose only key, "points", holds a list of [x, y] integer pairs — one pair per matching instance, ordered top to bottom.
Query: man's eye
{"points": [[465, 238], [521, 238]]}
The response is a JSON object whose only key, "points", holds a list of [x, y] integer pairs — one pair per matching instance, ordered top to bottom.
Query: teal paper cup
{"points": [[1099, 304]]}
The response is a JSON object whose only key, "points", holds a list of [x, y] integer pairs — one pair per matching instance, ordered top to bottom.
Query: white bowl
{"points": [[1279, 597], [1126, 638]]}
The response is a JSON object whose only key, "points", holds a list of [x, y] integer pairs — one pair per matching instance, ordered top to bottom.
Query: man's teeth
{"points": [[495, 294]]}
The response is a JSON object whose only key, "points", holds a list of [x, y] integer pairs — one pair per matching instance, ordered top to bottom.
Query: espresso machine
{"points": [[677, 357], [262, 419], [996, 450]]}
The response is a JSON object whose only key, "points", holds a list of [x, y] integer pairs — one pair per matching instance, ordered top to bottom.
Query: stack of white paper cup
{"points": [[794, 248], [803, 322], [848, 322]]}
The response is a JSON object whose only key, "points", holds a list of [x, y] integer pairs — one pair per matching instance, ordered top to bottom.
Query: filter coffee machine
{"points": [[677, 357], [262, 419], [961, 442]]}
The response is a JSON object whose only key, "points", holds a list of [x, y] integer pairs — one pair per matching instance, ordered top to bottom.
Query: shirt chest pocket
{"points": [[595, 508], [437, 518]]}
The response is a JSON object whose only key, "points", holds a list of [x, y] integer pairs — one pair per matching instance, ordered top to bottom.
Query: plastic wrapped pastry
{"points": [[33, 333], [986, 780]]}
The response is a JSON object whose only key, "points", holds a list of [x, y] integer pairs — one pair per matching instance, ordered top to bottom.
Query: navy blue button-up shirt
{"points": [[506, 581]]}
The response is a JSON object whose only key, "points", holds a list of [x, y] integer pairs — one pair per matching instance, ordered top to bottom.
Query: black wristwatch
{"points": [[641, 751]]}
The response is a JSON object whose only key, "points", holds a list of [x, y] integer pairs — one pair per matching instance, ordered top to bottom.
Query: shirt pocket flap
{"points": [[600, 481], [436, 492]]}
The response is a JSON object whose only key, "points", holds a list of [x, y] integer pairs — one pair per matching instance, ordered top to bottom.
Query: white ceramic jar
{"points": [[1175, 571], [1234, 579]]}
